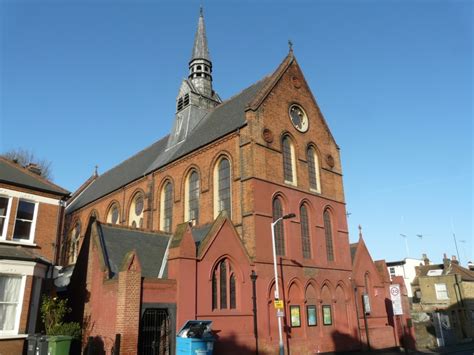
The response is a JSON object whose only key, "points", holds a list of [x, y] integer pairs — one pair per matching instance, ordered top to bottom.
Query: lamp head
{"points": [[289, 215]]}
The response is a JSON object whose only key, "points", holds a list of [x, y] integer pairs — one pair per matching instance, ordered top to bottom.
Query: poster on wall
{"points": [[311, 313], [295, 316], [327, 317]]}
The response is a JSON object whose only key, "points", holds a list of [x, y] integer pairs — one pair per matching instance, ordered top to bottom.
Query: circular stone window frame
{"points": [[303, 129]]}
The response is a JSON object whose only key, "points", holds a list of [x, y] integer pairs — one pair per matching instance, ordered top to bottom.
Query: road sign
{"points": [[396, 299], [278, 304]]}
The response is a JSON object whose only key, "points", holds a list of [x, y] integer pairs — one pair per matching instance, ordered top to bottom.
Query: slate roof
{"points": [[200, 49], [223, 119], [12, 173], [199, 233], [149, 246], [11, 252], [466, 274]]}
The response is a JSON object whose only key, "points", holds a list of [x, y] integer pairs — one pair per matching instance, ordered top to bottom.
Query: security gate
{"points": [[155, 332]]}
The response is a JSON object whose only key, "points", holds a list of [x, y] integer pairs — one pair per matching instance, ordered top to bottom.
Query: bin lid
{"points": [[195, 323]]}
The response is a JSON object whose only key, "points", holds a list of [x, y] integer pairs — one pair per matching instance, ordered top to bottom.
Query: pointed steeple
{"points": [[200, 50], [200, 65], [195, 97]]}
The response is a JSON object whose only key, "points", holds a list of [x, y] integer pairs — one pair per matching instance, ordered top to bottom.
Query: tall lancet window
{"points": [[289, 165], [313, 170], [222, 185], [192, 197], [166, 207], [279, 233], [328, 235]]}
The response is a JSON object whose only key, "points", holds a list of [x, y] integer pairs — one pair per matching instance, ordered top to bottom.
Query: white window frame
{"points": [[316, 169], [293, 182], [187, 183], [216, 186], [162, 207], [33, 223], [4, 231], [439, 288], [19, 306]]}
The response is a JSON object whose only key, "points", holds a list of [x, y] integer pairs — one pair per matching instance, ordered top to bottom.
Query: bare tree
{"points": [[25, 158]]}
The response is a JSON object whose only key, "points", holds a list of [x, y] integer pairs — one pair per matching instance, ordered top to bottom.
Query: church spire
{"points": [[200, 50], [200, 65]]}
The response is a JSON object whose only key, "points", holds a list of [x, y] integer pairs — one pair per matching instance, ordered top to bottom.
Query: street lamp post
{"points": [[277, 289]]}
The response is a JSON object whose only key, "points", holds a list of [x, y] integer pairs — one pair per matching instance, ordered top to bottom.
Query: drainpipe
{"points": [[59, 224], [253, 277], [357, 310]]}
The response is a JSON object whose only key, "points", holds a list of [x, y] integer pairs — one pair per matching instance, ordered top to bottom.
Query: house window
{"points": [[288, 161], [313, 170], [222, 182], [192, 197], [5, 204], [167, 207], [114, 214], [135, 215], [25, 221], [279, 233], [328, 235], [305, 238], [392, 271], [224, 287], [441, 292], [11, 294]]}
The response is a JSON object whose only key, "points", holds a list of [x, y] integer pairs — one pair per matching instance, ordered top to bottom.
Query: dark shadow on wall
{"points": [[343, 341], [228, 345], [95, 346]]}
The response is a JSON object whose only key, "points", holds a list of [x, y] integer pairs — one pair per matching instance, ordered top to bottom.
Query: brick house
{"points": [[212, 188], [31, 215], [444, 293], [379, 329]]}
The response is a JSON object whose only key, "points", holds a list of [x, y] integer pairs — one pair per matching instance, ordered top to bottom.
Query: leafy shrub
{"points": [[53, 311]]}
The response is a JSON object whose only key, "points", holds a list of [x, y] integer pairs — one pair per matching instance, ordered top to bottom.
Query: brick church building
{"points": [[182, 229]]}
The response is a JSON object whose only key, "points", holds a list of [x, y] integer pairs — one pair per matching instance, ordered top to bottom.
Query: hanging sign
{"points": [[396, 298], [278, 304]]}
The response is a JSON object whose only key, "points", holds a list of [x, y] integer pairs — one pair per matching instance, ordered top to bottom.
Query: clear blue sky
{"points": [[93, 82]]}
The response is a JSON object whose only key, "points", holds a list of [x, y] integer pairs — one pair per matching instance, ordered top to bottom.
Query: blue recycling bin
{"points": [[195, 338]]}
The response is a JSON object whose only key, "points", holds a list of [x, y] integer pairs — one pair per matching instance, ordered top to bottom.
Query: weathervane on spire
{"points": [[201, 10], [290, 45], [96, 173]]}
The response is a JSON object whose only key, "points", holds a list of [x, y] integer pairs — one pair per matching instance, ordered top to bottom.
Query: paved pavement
{"points": [[460, 349]]}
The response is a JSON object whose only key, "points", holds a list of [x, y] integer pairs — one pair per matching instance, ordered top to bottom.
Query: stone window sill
{"points": [[17, 242], [13, 336]]}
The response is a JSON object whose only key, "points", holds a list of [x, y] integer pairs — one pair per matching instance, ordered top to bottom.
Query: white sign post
{"points": [[396, 299]]}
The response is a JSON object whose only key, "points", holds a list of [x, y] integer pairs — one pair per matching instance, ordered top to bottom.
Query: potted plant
{"points": [[60, 334]]}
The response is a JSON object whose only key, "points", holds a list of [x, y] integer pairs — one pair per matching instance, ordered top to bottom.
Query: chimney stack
{"points": [[34, 168], [426, 261], [446, 261]]}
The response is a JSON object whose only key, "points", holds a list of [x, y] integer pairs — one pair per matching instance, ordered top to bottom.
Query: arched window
{"points": [[289, 167], [313, 169], [222, 187], [166, 209], [191, 212], [135, 215], [113, 216], [279, 235], [328, 235], [305, 237], [74, 239], [224, 287]]}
